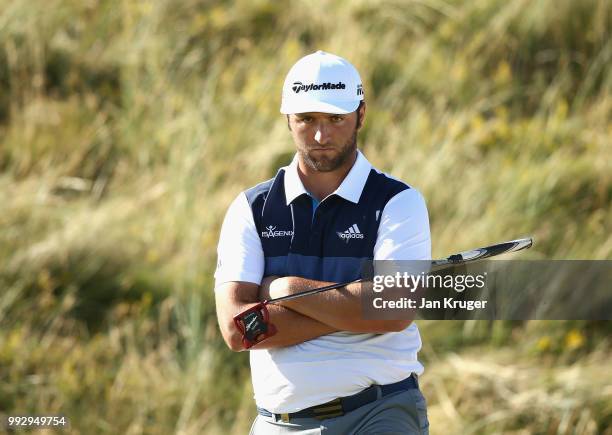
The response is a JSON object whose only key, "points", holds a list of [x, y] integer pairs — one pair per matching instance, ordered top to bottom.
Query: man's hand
{"points": [[264, 288], [292, 327]]}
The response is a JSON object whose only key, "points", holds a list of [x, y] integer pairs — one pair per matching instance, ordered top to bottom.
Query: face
{"points": [[325, 141]]}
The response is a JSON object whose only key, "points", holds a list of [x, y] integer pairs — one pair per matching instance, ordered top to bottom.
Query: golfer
{"points": [[327, 370]]}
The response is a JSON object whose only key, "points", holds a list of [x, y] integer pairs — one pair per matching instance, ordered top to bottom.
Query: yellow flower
{"points": [[145, 8], [458, 71], [503, 74], [561, 110], [501, 112], [477, 123], [152, 256], [146, 300], [574, 340], [544, 343]]}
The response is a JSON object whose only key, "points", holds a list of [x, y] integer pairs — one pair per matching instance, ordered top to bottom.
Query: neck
{"points": [[322, 184]]}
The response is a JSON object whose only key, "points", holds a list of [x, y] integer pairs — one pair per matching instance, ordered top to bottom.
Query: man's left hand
{"points": [[265, 288]]}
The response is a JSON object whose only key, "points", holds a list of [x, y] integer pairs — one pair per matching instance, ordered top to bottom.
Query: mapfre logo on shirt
{"points": [[271, 231]]}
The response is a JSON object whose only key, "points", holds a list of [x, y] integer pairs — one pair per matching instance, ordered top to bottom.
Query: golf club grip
{"points": [[485, 252]]}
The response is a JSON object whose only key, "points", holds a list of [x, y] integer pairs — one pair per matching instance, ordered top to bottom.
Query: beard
{"points": [[324, 163]]}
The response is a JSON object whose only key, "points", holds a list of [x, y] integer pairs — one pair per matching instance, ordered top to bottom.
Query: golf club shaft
{"points": [[436, 265]]}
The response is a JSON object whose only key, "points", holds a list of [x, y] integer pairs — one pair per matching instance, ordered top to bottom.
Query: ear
{"points": [[361, 114]]}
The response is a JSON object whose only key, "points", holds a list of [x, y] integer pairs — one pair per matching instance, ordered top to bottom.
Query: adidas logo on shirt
{"points": [[352, 233]]}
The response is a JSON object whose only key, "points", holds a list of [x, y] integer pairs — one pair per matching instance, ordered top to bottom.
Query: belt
{"points": [[342, 405]]}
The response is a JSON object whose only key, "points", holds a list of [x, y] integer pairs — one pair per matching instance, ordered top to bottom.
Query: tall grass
{"points": [[126, 128]]}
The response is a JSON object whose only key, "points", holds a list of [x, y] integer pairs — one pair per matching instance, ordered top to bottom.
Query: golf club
{"points": [[254, 324]]}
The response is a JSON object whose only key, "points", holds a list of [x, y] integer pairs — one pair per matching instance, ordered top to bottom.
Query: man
{"points": [[327, 369]]}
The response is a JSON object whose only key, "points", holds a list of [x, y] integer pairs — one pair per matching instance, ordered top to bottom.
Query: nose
{"points": [[322, 134]]}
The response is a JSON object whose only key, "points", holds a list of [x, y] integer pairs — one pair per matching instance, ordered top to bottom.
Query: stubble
{"points": [[323, 163]]}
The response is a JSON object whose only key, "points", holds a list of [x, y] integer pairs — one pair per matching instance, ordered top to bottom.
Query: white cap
{"points": [[321, 82]]}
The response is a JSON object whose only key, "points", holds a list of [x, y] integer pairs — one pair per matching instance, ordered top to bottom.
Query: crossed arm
{"points": [[300, 319]]}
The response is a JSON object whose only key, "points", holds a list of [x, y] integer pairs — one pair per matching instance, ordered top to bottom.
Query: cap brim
{"points": [[307, 106]]}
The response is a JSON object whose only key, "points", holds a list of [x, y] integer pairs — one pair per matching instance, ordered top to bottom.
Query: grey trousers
{"points": [[404, 413]]}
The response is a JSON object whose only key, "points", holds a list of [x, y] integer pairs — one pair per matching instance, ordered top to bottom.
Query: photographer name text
{"points": [[446, 303]]}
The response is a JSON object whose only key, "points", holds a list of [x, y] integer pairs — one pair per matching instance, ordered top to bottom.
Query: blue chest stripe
{"points": [[334, 269]]}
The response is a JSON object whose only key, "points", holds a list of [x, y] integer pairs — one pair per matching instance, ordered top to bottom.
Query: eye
{"points": [[305, 119], [336, 119]]}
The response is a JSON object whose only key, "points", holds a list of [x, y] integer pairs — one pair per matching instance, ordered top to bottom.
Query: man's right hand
{"points": [[293, 328]]}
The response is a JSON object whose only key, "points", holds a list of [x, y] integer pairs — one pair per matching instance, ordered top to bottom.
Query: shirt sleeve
{"points": [[403, 233], [240, 256]]}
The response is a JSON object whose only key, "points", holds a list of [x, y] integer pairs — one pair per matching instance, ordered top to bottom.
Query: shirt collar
{"points": [[350, 188]]}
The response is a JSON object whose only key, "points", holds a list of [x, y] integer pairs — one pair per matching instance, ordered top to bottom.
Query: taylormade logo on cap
{"points": [[322, 82], [299, 86]]}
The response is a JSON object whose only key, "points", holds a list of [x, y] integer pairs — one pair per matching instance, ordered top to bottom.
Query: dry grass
{"points": [[126, 128], [492, 392]]}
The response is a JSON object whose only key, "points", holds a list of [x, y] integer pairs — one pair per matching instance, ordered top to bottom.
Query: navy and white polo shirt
{"points": [[276, 228]]}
